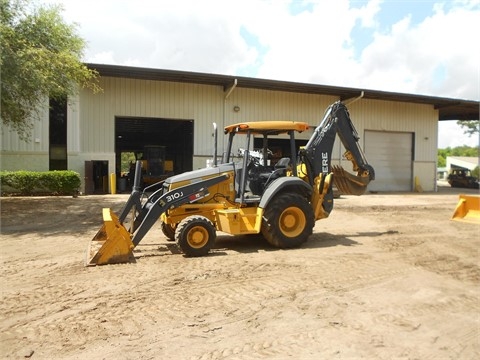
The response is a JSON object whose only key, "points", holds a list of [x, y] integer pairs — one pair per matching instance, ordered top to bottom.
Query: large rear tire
{"points": [[288, 221], [168, 231], [195, 235]]}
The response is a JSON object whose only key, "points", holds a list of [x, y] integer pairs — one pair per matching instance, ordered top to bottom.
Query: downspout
{"points": [[232, 88], [229, 92], [349, 102]]}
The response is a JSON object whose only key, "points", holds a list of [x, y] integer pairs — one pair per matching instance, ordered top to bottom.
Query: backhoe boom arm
{"points": [[317, 154]]}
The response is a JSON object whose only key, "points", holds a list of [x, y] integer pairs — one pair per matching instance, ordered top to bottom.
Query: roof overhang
{"points": [[448, 109]]}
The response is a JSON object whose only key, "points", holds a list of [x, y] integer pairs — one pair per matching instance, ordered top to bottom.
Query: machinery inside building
{"points": [[164, 146]]}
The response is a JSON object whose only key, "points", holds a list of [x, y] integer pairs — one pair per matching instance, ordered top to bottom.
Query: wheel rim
{"points": [[292, 221], [197, 237]]}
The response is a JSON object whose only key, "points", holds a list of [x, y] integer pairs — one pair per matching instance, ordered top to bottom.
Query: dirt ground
{"points": [[386, 276]]}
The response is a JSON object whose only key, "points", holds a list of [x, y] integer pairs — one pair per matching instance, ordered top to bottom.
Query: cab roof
{"points": [[267, 127]]}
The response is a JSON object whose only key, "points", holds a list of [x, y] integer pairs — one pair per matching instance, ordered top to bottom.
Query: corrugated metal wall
{"points": [[153, 99], [201, 103], [256, 105], [275, 105], [91, 119], [419, 119], [422, 120], [37, 142], [30, 154]]}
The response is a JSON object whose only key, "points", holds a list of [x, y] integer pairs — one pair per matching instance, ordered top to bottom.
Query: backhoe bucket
{"points": [[347, 183], [468, 209], [112, 244]]}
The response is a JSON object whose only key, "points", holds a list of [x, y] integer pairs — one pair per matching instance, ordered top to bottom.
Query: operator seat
{"points": [[279, 170]]}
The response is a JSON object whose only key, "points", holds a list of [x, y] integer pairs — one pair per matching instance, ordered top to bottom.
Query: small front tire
{"points": [[168, 231], [195, 235]]}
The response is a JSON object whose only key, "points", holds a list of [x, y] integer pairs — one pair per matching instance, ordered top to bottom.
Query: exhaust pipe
{"points": [[215, 135]]}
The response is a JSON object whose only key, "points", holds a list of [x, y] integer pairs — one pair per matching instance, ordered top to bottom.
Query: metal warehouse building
{"points": [[171, 113]]}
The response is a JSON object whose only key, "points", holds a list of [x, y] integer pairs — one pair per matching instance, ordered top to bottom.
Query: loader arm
{"points": [[134, 201], [157, 205], [113, 243]]}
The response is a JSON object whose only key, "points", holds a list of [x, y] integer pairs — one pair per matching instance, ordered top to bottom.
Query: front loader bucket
{"points": [[347, 183], [468, 209], [111, 245]]}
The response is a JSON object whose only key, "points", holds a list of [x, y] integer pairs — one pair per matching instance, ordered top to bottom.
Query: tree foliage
{"points": [[40, 58], [470, 127], [456, 151], [476, 172]]}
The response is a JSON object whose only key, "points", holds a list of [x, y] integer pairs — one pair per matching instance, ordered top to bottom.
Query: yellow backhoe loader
{"points": [[245, 197]]}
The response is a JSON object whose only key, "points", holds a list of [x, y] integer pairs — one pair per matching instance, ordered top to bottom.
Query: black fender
{"points": [[289, 183]]}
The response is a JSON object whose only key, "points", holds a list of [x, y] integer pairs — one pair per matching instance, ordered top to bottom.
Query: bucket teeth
{"points": [[347, 183]]}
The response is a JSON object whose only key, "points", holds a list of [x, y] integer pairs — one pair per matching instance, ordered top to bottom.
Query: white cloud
{"points": [[368, 13], [182, 35], [313, 46], [438, 55], [452, 135]]}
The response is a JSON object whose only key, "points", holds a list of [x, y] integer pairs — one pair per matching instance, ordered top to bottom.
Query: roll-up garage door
{"points": [[390, 154]]}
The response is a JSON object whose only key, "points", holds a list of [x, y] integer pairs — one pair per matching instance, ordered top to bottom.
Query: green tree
{"points": [[40, 59], [470, 127], [456, 151], [464, 151], [441, 161], [476, 172]]}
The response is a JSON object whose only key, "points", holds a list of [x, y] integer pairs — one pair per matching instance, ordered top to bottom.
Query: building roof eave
{"points": [[448, 108]]}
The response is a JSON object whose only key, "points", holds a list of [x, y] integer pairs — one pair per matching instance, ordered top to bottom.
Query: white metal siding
{"points": [[152, 99], [201, 103], [260, 105], [420, 119], [91, 120], [30, 154], [390, 154], [425, 174]]}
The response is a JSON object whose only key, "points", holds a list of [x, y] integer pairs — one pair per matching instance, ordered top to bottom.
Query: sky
{"points": [[424, 47]]}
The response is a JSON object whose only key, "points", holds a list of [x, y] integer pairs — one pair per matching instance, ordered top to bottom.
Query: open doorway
{"points": [[164, 146], [96, 177]]}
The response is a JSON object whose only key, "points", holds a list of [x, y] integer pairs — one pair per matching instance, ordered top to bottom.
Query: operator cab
{"points": [[255, 174], [260, 176]]}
